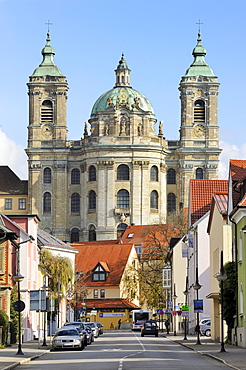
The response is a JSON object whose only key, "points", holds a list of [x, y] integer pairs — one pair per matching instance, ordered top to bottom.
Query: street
{"points": [[126, 350]]}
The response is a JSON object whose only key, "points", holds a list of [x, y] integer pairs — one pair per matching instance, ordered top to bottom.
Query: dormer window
{"points": [[99, 273]]}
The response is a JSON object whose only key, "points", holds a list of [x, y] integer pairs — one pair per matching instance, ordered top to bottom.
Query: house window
{"points": [[47, 111], [199, 111], [123, 172], [92, 173], [154, 173], [199, 173], [47, 175], [75, 176], [171, 176], [123, 199], [92, 200], [154, 200], [47, 202], [8, 203], [22, 203], [75, 203], [171, 203], [121, 229], [92, 233], [74, 236], [138, 249], [99, 274], [167, 277], [102, 293], [95, 295]]}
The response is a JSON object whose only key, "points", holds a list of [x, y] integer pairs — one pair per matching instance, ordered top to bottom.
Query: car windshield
{"points": [[92, 324], [149, 324], [66, 332]]}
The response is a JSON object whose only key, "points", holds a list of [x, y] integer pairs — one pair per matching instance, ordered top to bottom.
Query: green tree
{"points": [[229, 297], [13, 315], [4, 322]]}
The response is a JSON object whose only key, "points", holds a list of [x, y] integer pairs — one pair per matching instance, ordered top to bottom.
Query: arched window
{"points": [[47, 111], [199, 111], [123, 172], [92, 173], [154, 173], [199, 173], [47, 176], [75, 176], [171, 176], [122, 199], [92, 200], [154, 200], [47, 202], [75, 203], [171, 203], [121, 229], [92, 233], [74, 236]]}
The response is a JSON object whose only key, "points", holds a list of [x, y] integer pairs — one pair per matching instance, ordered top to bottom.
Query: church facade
{"points": [[123, 171]]}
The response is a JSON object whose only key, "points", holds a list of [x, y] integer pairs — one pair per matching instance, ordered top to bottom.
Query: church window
{"points": [[47, 111], [199, 111], [123, 172], [92, 173], [154, 173], [199, 173], [47, 175], [75, 176], [171, 176], [92, 199], [123, 199], [154, 200], [47, 202], [171, 202], [75, 203], [121, 229], [92, 233], [74, 236], [99, 274], [95, 295]]}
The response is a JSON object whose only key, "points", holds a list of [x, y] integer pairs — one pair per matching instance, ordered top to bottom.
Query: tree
{"points": [[229, 296], [13, 315]]}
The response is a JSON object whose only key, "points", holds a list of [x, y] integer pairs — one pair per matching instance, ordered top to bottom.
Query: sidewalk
{"points": [[234, 357], [9, 359]]}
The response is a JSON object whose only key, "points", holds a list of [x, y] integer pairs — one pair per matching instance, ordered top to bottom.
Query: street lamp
{"points": [[221, 278], [196, 287], [186, 293], [174, 305], [19, 306]]}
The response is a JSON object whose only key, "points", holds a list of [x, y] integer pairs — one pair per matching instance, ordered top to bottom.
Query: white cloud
{"points": [[230, 151], [13, 155]]}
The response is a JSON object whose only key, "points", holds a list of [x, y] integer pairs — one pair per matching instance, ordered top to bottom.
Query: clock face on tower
{"points": [[199, 130], [47, 131]]}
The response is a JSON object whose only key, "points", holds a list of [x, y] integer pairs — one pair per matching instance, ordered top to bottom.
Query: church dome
{"points": [[122, 94]]}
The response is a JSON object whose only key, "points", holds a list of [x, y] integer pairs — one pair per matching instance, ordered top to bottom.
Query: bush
{"points": [[4, 322]]}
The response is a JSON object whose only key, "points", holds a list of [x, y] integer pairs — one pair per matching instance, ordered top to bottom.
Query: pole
{"points": [[19, 352]]}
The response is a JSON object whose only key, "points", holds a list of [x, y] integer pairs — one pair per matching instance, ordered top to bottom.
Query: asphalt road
{"points": [[126, 351]]}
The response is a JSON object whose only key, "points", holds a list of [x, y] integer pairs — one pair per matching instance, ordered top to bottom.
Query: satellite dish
{"points": [[2, 234]]}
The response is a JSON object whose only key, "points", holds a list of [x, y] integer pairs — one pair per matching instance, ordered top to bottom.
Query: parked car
{"points": [[81, 326], [94, 327], [100, 327], [205, 327], [149, 328], [90, 334], [67, 337]]}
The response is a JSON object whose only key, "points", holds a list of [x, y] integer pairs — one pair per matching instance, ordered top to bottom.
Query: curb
{"points": [[25, 360]]}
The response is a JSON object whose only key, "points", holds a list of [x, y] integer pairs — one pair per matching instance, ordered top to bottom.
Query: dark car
{"points": [[100, 327], [149, 328]]}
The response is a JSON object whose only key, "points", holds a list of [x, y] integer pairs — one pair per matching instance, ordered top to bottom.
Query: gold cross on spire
{"points": [[49, 24], [199, 30]]}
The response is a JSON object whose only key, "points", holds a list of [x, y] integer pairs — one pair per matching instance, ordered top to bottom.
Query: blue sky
{"points": [[157, 38]]}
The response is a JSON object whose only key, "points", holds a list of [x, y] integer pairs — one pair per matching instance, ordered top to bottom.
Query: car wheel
{"points": [[208, 333], [142, 335], [156, 335]]}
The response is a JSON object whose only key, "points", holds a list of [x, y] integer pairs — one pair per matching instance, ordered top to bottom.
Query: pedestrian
{"points": [[119, 323], [167, 325]]}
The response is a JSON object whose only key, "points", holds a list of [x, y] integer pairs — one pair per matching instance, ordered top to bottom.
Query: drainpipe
{"points": [[236, 293]]}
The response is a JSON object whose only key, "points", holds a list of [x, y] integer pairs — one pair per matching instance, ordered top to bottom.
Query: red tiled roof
{"points": [[238, 174], [201, 192], [220, 199], [242, 202], [114, 256], [108, 303]]}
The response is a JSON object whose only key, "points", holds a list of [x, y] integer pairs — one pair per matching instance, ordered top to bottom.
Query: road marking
{"points": [[120, 367]]}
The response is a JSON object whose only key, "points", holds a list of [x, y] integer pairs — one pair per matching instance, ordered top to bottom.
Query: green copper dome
{"points": [[47, 67], [199, 67], [122, 94]]}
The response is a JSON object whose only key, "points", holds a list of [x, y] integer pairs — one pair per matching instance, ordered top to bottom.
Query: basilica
{"points": [[123, 170]]}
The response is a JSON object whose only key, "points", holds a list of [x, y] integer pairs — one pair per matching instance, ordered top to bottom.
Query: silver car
{"points": [[94, 327], [67, 337]]}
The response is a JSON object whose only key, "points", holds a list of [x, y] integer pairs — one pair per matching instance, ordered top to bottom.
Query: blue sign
{"points": [[198, 305], [159, 311]]}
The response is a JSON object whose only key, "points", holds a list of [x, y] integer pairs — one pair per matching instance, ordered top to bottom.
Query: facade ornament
{"points": [[110, 101], [136, 101], [160, 129], [86, 130], [106, 130], [140, 130], [123, 217]]}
